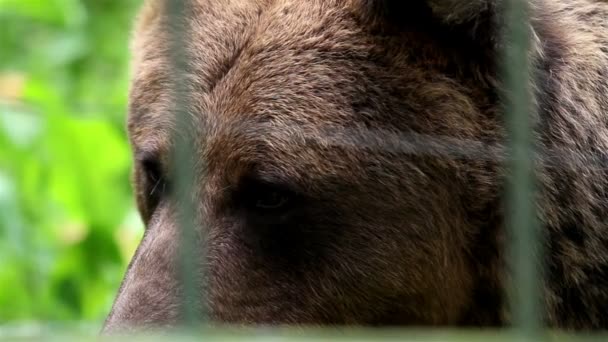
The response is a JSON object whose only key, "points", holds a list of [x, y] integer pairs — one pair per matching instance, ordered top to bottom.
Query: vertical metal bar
{"points": [[183, 169], [521, 207]]}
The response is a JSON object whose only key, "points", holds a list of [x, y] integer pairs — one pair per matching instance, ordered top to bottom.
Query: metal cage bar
{"points": [[185, 191], [521, 217]]}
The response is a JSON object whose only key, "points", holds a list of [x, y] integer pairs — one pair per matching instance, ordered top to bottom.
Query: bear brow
{"points": [[142, 155]]}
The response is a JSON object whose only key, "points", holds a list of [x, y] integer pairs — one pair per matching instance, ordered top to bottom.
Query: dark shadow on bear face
{"points": [[304, 221]]}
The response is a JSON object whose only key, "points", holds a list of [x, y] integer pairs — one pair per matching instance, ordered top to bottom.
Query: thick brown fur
{"points": [[380, 123]]}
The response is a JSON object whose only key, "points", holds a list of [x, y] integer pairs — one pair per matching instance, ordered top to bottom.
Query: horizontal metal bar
{"points": [[52, 333]]}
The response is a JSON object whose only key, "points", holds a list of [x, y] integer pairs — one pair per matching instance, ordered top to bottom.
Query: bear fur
{"points": [[349, 164]]}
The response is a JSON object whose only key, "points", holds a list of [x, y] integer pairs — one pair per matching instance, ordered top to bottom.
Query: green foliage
{"points": [[67, 222]]}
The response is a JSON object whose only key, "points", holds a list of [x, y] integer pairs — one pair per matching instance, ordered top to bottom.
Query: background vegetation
{"points": [[67, 221]]}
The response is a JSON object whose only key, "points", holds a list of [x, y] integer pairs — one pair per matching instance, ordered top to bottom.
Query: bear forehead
{"points": [[239, 47], [253, 61], [255, 70], [279, 73]]}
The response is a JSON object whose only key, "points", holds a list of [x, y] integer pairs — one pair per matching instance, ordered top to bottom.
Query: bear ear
{"points": [[453, 12], [476, 18]]}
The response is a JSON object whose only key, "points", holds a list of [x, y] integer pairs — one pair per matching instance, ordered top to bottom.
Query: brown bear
{"points": [[348, 164]]}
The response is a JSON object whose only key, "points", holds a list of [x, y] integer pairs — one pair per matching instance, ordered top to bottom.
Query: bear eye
{"points": [[155, 184], [266, 198], [271, 200]]}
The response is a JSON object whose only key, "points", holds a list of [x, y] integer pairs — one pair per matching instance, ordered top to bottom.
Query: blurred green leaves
{"points": [[49, 11], [67, 222]]}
